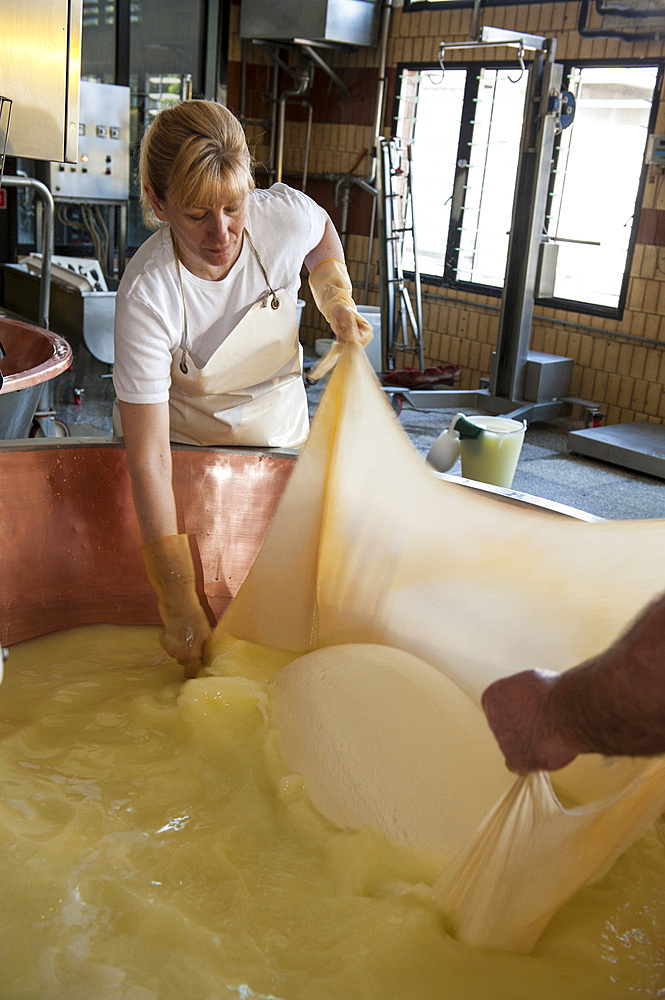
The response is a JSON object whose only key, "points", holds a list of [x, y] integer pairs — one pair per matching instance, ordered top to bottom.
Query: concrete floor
{"points": [[545, 468]]}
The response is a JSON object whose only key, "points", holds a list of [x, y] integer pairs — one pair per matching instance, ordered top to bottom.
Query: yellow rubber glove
{"points": [[332, 292], [186, 633]]}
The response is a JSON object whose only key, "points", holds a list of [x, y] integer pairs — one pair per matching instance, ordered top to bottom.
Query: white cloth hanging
{"points": [[406, 595]]}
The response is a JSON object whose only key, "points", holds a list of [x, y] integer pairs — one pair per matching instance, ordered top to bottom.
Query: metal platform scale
{"points": [[523, 384], [639, 446]]}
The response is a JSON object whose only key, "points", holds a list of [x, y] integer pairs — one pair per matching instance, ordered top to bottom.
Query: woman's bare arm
{"points": [[145, 427]]}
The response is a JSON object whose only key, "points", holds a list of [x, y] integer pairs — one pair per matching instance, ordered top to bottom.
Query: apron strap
{"points": [[271, 293], [274, 302], [185, 336]]}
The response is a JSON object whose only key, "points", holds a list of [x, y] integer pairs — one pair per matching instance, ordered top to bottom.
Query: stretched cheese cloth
{"points": [[405, 596]]}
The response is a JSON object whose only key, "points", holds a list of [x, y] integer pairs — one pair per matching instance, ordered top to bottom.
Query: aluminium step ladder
{"points": [[401, 318]]}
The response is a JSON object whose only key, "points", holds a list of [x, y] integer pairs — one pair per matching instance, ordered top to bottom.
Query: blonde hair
{"points": [[194, 153]]}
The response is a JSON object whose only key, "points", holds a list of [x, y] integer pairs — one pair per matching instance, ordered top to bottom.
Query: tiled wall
{"points": [[619, 364]]}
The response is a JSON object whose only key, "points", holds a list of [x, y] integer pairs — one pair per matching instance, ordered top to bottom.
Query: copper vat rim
{"points": [[58, 362]]}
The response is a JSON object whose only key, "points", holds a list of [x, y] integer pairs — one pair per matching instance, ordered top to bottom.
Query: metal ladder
{"points": [[401, 319]]}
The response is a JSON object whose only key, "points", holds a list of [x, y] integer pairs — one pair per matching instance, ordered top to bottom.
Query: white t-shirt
{"points": [[284, 224]]}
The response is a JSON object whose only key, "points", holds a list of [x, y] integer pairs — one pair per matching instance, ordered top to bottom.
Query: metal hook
{"points": [[442, 49], [520, 56], [438, 83]]}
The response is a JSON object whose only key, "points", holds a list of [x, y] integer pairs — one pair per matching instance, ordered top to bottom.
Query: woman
{"points": [[206, 341]]}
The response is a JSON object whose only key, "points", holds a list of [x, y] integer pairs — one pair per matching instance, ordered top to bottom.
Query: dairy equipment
{"points": [[353, 22], [41, 46], [101, 173], [97, 179], [82, 310], [32, 356], [75, 556]]}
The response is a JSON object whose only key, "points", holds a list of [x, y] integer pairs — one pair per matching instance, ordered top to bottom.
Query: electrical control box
{"points": [[655, 149], [101, 172]]}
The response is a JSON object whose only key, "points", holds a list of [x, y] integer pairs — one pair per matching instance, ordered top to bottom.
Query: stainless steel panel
{"points": [[353, 22], [40, 73], [102, 171], [547, 376], [639, 446]]}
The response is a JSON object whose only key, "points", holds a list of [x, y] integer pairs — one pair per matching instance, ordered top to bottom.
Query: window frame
{"points": [[420, 5], [570, 305]]}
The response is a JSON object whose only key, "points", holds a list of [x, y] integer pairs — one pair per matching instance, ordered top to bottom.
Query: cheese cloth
{"points": [[405, 595]]}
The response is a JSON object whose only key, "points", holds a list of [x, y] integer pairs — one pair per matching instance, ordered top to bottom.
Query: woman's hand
{"points": [[348, 325], [186, 634]]}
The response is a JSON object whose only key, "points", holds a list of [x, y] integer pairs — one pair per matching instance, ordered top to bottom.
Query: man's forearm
{"points": [[612, 704], [615, 704]]}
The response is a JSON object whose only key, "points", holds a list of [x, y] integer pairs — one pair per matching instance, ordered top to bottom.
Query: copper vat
{"points": [[32, 356], [71, 546]]}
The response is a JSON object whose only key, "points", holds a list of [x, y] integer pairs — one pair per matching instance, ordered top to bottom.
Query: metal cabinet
{"points": [[39, 73]]}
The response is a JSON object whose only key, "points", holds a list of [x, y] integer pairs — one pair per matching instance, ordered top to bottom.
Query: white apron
{"points": [[251, 390], [250, 393]]}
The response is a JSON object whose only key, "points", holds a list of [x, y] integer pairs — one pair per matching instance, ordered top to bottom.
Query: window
{"points": [[432, 4], [465, 127], [599, 165]]}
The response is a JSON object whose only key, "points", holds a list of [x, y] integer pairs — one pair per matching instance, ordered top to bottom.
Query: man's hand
{"points": [[612, 704], [519, 714]]}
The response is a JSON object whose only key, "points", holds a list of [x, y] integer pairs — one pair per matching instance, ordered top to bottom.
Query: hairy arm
{"points": [[613, 704]]}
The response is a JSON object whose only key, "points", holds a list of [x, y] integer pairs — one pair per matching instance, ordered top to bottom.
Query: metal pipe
{"points": [[635, 13], [586, 32], [320, 61], [243, 81], [381, 85], [286, 95], [273, 122], [308, 141], [346, 199], [47, 240], [368, 262]]}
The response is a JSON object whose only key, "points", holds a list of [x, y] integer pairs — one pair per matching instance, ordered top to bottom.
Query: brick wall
{"points": [[619, 364]]}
